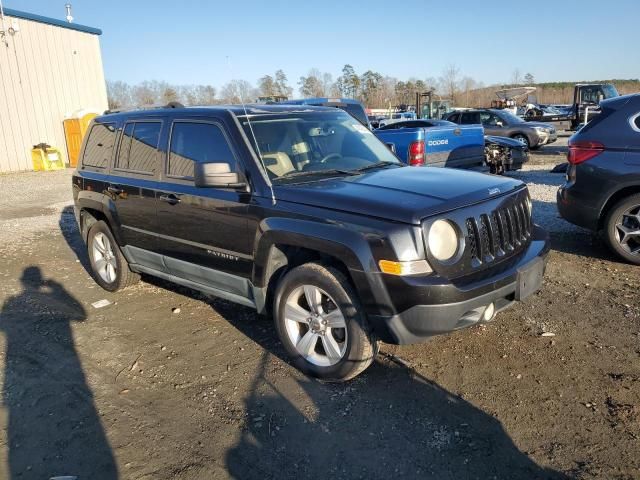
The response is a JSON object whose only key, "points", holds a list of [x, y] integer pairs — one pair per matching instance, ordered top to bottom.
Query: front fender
{"points": [[348, 246]]}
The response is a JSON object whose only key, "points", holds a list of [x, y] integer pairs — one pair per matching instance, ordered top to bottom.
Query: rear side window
{"points": [[469, 118], [197, 142], [138, 147], [97, 152]]}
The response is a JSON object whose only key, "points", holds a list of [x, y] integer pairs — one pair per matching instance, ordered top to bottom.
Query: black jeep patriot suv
{"points": [[302, 211]]}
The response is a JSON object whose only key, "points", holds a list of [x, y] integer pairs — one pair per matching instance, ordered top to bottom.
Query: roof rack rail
{"points": [[145, 107]]}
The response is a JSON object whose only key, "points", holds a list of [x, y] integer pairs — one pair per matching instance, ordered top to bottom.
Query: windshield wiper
{"points": [[382, 164], [330, 171]]}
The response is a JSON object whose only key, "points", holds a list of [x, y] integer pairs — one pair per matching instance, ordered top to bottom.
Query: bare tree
{"points": [[516, 77], [449, 83], [468, 84], [236, 91], [119, 94], [144, 94]]}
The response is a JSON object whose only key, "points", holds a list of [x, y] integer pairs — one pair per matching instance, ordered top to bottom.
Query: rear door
{"points": [[133, 182], [203, 232]]}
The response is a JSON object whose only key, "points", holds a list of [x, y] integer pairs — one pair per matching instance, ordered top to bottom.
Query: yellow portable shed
{"points": [[75, 128]]}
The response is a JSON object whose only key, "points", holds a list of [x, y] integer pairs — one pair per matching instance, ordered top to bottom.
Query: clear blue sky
{"points": [[187, 41]]}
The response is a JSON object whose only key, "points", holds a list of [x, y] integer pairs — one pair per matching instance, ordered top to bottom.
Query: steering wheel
{"points": [[330, 156]]}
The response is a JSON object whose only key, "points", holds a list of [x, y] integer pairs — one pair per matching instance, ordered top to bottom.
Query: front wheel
{"points": [[523, 139], [622, 229], [321, 324]]}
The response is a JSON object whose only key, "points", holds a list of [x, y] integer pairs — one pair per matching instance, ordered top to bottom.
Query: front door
{"points": [[203, 232]]}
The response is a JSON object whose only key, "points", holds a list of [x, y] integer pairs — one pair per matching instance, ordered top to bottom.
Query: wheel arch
{"points": [[614, 198], [93, 207], [285, 243]]}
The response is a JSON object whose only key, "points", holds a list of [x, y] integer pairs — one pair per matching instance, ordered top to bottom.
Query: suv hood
{"points": [[539, 124], [504, 141], [404, 194]]}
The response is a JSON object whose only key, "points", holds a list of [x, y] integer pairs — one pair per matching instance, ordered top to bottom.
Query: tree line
{"points": [[373, 89]]}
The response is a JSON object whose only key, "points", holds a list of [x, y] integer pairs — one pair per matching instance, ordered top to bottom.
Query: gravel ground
{"points": [[543, 186], [164, 382]]}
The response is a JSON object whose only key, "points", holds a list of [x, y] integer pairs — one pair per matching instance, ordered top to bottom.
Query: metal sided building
{"points": [[49, 69]]}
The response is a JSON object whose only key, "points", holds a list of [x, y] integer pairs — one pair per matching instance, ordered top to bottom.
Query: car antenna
{"points": [[255, 140]]}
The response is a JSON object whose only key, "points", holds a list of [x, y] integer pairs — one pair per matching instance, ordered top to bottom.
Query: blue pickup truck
{"points": [[435, 143]]}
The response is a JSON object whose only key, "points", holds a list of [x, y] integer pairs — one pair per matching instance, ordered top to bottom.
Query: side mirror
{"points": [[216, 175]]}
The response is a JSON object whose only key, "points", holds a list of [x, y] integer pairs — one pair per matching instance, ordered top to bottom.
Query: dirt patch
{"points": [[138, 389]]}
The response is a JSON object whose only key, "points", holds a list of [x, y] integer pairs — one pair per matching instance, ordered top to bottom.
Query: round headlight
{"points": [[443, 240]]}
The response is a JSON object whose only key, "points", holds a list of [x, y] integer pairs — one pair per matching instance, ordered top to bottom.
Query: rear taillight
{"points": [[582, 151], [416, 153]]}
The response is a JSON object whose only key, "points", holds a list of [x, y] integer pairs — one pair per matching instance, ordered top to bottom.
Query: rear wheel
{"points": [[622, 229], [110, 268], [321, 324]]}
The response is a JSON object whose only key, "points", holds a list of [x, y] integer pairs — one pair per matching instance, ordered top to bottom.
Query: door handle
{"points": [[114, 190], [170, 198]]}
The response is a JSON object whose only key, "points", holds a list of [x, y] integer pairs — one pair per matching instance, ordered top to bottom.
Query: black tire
{"points": [[522, 138], [611, 232], [122, 276], [360, 345]]}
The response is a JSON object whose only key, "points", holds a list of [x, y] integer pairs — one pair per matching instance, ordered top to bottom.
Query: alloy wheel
{"points": [[628, 230], [104, 259], [315, 325]]}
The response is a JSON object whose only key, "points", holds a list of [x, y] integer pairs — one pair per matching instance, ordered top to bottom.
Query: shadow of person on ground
{"points": [[71, 234], [391, 422], [53, 426]]}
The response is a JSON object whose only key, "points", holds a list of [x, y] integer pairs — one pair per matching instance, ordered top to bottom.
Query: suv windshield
{"points": [[609, 91], [356, 112], [510, 117], [314, 143]]}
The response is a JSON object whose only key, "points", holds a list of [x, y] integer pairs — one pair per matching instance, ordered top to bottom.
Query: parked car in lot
{"points": [[351, 106], [397, 117], [505, 124], [435, 143], [504, 154], [602, 191], [303, 212]]}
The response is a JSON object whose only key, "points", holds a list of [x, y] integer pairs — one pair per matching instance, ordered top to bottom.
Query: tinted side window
{"points": [[455, 117], [469, 118], [489, 119], [197, 142], [138, 148], [97, 152]]}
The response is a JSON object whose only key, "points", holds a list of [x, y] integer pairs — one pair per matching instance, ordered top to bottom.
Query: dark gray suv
{"points": [[504, 124], [602, 191]]}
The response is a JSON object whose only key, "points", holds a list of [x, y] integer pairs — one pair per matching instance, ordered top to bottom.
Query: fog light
{"points": [[489, 312]]}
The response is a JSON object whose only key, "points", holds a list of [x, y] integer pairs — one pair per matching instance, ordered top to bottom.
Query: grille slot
{"points": [[500, 233]]}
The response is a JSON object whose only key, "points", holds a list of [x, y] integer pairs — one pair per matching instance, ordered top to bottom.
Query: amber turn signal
{"points": [[415, 267]]}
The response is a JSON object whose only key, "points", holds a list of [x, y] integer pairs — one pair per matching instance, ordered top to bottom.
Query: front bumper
{"points": [[547, 138], [446, 306]]}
